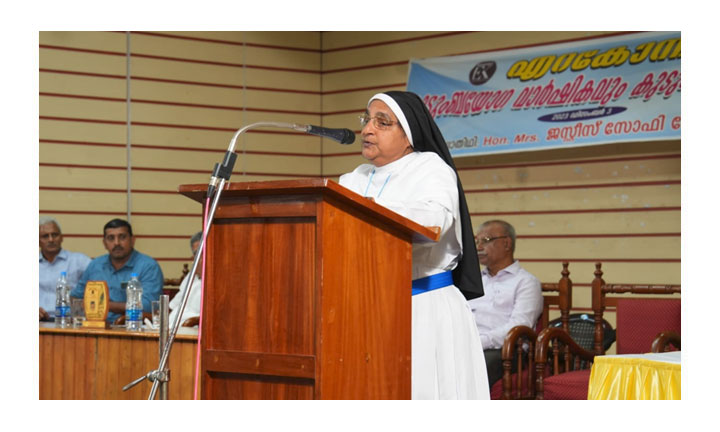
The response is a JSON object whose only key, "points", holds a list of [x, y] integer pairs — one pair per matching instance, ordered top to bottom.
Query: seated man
{"points": [[54, 260], [116, 267], [512, 295], [192, 308]]}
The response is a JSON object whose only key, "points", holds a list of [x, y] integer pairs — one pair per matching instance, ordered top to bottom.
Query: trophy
{"points": [[96, 304]]}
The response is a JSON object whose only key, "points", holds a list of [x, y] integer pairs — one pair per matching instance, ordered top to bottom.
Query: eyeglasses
{"points": [[381, 123], [485, 240]]}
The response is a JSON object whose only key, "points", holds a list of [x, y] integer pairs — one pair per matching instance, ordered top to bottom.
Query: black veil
{"points": [[427, 137]]}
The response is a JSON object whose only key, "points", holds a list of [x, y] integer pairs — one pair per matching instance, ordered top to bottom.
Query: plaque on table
{"points": [[96, 304]]}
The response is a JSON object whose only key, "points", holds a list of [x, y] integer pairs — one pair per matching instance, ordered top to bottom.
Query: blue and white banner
{"points": [[596, 91]]}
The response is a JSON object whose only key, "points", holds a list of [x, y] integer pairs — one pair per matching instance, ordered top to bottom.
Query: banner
{"points": [[615, 89]]}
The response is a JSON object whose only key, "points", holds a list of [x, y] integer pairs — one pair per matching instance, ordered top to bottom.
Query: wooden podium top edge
{"points": [[197, 192]]}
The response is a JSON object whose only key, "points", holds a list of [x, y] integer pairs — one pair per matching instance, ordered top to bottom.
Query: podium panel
{"points": [[307, 294]]}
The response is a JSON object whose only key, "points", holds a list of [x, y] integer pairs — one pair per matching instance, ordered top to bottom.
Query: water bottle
{"points": [[62, 302], [133, 305]]}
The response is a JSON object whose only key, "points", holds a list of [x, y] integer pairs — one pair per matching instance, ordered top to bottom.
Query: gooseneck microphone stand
{"points": [[221, 175]]}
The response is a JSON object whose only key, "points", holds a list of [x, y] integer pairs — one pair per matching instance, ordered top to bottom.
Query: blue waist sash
{"points": [[433, 282]]}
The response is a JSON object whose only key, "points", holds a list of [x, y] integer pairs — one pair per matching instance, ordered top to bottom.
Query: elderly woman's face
{"points": [[383, 139]]}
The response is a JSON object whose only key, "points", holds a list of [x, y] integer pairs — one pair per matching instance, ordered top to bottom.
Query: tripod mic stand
{"points": [[221, 175]]}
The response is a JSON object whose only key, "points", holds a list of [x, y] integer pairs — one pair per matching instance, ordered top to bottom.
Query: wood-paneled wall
{"points": [[189, 91], [176, 99]]}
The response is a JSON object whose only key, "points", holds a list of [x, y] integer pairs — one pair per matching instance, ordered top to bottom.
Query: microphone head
{"points": [[348, 137]]}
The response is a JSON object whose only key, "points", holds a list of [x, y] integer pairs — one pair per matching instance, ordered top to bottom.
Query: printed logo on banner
{"points": [[482, 72], [614, 89]]}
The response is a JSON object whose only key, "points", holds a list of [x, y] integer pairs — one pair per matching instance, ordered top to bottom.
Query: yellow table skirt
{"points": [[636, 376]]}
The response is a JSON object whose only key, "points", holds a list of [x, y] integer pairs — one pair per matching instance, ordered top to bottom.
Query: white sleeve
{"points": [[431, 199], [177, 300]]}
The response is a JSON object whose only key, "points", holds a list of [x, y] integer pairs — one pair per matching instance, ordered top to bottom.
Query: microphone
{"points": [[343, 136], [224, 170]]}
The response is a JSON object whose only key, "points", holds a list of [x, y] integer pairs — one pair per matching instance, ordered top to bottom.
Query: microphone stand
{"points": [[221, 174]]}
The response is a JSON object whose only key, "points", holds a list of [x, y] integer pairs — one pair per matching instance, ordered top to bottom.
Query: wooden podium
{"points": [[307, 294]]}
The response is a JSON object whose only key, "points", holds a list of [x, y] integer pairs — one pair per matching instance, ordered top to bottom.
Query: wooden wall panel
{"points": [[103, 41], [112, 63], [71, 84], [188, 89], [84, 131], [64, 155], [74, 178], [82, 201], [615, 222]]}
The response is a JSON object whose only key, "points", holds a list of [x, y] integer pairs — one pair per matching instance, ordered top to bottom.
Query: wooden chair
{"points": [[639, 320], [191, 322], [521, 340], [665, 341], [563, 367]]}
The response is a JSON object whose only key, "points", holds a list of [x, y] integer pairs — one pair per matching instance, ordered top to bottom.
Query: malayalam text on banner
{"points": [[597, 91]]}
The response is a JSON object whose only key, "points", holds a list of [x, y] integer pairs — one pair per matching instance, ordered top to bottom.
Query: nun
{"points": [[410, 172]]}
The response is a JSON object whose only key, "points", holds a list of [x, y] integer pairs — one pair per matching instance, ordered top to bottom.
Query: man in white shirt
{"points": [[54, 260], [512, 295], [192, 308]]}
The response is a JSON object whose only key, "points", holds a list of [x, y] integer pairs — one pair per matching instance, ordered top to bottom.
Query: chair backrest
{"points": [[563, 299], [639, 320], [582, 330], [518, 380]]}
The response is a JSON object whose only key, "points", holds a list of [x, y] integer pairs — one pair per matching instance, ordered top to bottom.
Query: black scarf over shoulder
{"points": [[427, 137]]}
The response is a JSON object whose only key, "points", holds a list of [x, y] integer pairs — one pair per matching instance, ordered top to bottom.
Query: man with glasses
{"points": [[54, 260], [117, 266], [512, 295]]}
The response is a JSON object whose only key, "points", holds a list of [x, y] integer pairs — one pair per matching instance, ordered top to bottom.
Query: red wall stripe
{"points": [[395, 41], [226, 42], [83, 50], [180, 59], [225, 64], [91, 74], [183, 82], [356, 89], [181, 104], [166, 125], [155, 147], [572, 162], [189, 171], [576, 186], [107, 190], [599, 210], [568, 211], [109, 213], [583, 236], [604, 260]]}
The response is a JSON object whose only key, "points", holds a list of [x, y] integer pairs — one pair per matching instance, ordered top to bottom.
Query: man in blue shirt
{"points": [[54, 260], [116, 267]]}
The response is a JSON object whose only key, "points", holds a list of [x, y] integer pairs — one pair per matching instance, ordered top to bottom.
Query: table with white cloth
{"points": [[636, 376]]}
